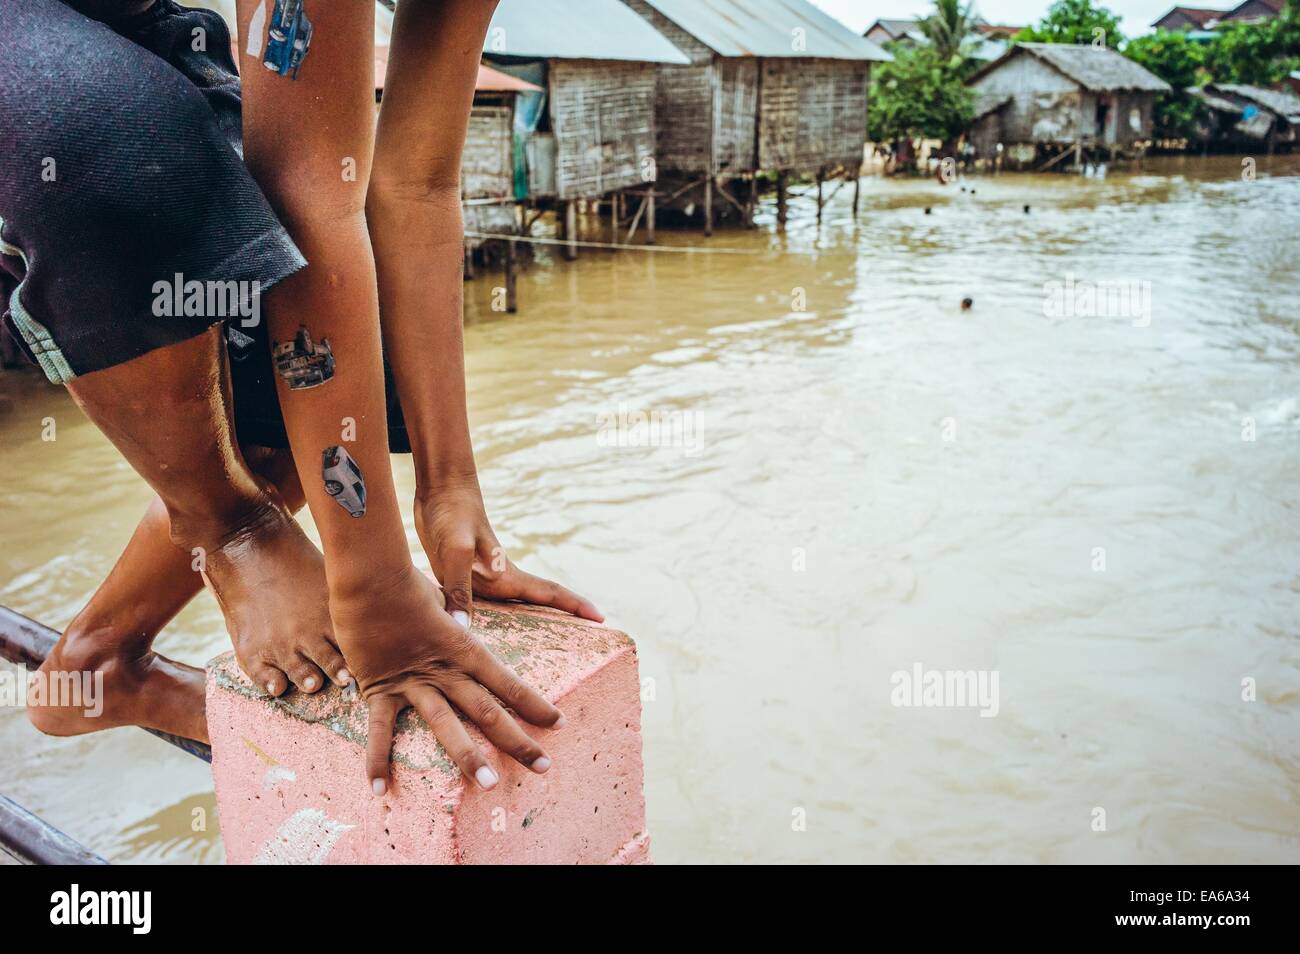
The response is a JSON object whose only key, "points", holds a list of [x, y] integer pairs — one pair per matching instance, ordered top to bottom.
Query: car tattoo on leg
{"points": [[302, 362], [343, 480]]}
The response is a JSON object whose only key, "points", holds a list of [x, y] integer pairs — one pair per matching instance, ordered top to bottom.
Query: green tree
{"points": [[1075, 21], [949, 28], [1259, 54], [1180, 62], [919, 94]]}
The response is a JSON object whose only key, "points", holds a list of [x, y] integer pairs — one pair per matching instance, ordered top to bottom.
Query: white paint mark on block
{"points": [[276, 774], [306, 838]]}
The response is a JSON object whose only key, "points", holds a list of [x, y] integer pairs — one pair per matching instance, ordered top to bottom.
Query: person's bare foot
{"points": [[269, 580], [96, 680]]}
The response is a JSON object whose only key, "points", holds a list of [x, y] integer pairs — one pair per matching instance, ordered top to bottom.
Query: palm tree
{"points": [[949, 27]]}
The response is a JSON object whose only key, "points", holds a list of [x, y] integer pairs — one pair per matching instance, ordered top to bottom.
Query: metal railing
{"points": [[23, 835]]}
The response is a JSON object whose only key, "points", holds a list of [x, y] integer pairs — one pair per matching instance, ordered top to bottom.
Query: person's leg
{"points": [[117, 177], [168, 412], [114, 634]]}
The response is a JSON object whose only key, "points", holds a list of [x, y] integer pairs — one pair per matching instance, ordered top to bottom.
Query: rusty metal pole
{"points": [[26, 642], [37, 842]]}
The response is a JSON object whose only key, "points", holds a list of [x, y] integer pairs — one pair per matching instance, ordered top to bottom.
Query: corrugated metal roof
{"points": [[766, 28], [589, 30]]}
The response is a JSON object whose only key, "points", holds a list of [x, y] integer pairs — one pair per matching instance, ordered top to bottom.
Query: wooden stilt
{"points": [[820, 178], [857, 189], [751, 199], [708, 205], [782, 211], [650, 217], [613, 220], [570, 230], [469, 261], [512, 290]]}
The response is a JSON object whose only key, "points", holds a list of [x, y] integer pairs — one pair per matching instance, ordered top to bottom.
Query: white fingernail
{"points": [[461, 617], [345, 677], [309, 682], [270, 687], [560, 723], [540, 765], [485, 776], [378, 786]]}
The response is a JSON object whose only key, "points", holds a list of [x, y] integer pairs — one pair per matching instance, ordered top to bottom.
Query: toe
{"points": [[330, 661], [306, 675], [268, 678]]}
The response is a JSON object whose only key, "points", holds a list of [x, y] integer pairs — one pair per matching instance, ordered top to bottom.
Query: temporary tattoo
{"points": [[288, 38], [239, 345], [302, 362], [343, 481]]}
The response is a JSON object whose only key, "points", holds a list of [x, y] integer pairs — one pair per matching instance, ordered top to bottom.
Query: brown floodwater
{"points": [[851, 477]]}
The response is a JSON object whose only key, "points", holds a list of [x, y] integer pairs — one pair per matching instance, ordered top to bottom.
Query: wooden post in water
{"points": [[821, 176], [782, 178], [857, 189], [708, 205], [650, 216], [570, 230], [469, 261], [512, 282]]}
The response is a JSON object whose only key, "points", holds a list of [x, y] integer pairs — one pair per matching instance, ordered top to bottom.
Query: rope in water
{"points": [[680, 249]]}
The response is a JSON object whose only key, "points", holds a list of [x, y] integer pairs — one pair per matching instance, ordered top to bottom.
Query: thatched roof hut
{"points": [[1066, 95], [1246, 116]]}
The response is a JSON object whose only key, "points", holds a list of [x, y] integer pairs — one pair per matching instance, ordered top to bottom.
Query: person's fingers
{"points": [[456, 576], [544, 592], [330, 661], [305, 674], [513, 691], [498, 725], [448, 730], [379, 739]]}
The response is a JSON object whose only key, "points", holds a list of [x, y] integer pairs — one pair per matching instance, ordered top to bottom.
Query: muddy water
{"points": [[851, 478]]}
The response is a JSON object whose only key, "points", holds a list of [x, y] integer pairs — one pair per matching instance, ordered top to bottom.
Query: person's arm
{"points": [[308, 139], [417, 229]]}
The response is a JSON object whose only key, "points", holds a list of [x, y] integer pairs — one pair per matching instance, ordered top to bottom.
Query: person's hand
{"points": [[468, 560], [404, 650]]}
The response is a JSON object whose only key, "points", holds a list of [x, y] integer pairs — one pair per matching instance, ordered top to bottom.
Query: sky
{"points": [[1136, 16]]}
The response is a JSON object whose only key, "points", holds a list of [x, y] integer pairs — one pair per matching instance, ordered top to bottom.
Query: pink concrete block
{"points": [[292, 789]]}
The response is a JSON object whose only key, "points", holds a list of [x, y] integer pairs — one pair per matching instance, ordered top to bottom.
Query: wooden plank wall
{"points": [[812, 113], [603, 114], [737, 115], [683, 116], [487, 169]]}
